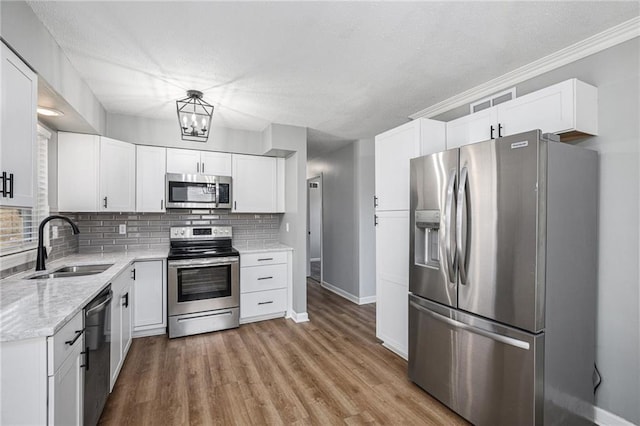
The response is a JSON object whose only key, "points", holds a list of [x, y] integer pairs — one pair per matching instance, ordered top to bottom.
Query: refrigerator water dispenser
{"points": [[426, 238]]}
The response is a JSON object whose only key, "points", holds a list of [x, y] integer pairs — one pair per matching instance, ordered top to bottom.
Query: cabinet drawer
{"points": [[269, 258], [258, 278], [263, 303], [62, 344]]}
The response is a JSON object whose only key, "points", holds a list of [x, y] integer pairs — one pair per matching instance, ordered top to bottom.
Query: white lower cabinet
{"points": [[264, 285], [150, 298], [121, 321], [66, 373]]}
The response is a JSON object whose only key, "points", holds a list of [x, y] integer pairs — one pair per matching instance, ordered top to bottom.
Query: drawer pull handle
{"points": [[265, 258], [265, 278], [265, 303], [72, 341]]}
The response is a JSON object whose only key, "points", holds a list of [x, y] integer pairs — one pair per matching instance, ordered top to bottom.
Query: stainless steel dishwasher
{"points": [[97, 355]]}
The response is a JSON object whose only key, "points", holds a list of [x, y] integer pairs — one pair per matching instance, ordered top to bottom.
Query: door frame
{"points": [[317, 177]]}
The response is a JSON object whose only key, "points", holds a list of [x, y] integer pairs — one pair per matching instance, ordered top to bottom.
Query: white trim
{"points": [[594, 44], [17, 259], [315, 259], [346, 295], [265, 317], [299, 317], [149, 332], [396, 351], [607, 418]]}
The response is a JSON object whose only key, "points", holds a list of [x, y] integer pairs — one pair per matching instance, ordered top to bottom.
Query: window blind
{"points": [[19, 226]]}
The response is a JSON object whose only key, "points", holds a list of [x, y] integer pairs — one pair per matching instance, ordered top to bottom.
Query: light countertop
{"points": [[263, 248], [38, 308]]}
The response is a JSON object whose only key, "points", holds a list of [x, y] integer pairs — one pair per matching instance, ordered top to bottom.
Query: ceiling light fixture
{"points": [[49, 112], [194, 115]]}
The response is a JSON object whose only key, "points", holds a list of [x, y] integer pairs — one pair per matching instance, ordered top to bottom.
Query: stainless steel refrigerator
{"points": [[503, 255]]}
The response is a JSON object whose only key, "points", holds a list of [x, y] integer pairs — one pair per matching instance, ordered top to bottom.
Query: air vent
{"points": [[493, 100]]}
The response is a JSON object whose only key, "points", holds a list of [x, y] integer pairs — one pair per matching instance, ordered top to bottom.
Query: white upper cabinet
{"points": [[19, 89], [569, 108], [472, 128], [394, 148], [188, 161], [215, 163], [78, 172], [95, 174], [117, 176], [150, 178], [255, 184]]}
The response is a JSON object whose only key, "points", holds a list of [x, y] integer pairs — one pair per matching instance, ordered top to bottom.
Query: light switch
{"points": [[123, 228], [54, 232]]}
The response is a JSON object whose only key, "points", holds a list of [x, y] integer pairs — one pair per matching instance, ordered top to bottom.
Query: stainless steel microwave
{"points": [[186, 191]]}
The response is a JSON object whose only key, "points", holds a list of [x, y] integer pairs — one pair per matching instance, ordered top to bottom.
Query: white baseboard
{"points": [[350, 297], [299, 317], [261, 318], [149, 332], [396, 351], [607, 418]]}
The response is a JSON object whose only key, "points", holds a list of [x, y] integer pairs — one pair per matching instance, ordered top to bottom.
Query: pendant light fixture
{"points": [[194, 116]]}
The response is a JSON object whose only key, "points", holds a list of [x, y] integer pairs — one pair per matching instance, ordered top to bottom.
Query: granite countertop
{"points": [[263, 248], [38, 308]]}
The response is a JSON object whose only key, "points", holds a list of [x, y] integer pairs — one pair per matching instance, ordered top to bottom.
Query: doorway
{"points": [[314, 228]]}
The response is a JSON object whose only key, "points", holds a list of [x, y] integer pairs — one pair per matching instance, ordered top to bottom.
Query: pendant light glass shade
{"points": [[194, 117]]}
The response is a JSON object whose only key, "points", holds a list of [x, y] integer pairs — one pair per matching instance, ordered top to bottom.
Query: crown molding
{"points": [[594, 44]]}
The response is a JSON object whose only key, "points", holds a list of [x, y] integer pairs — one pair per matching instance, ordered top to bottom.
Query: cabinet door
{"points": [[19, 89], [553, 109], [472, 128], [393, 151], [185, 161], [215, 163], [78, 172], [117, 176], [150, 178], [254, 184], [392, 279], [149, 295], [127, 301], [116, 331], [66, 391]]}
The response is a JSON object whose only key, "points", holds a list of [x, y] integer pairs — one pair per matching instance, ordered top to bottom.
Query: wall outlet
{"points": [[286, 226], [123, 229], [54, 232]]}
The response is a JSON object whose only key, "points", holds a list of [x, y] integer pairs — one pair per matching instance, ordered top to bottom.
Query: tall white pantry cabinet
{"points": [[393, 150]]}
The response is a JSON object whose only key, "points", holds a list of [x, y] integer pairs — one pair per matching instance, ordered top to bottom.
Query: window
{"points": [[19, 226]]}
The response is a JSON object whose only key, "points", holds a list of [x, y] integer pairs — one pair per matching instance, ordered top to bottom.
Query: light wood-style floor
{"points": [[330, 370]]}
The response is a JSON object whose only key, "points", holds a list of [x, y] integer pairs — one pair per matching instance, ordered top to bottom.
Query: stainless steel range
{"points": [[203, 272]]}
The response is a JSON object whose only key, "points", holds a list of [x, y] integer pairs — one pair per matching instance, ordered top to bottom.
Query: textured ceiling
{"points": [[346, 70]]}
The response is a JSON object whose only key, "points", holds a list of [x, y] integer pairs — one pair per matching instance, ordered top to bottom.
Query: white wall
{"points": [[24, 33], [616, 73], [348, 234]]}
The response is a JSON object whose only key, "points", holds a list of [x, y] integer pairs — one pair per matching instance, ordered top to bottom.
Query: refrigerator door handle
{"points": [[462, 187], [451, 258], [462, 326]]}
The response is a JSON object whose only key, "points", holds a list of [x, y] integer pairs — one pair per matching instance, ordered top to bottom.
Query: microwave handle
{"points": [[217, 192]]}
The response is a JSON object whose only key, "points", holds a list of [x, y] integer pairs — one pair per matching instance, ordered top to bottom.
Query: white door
{"points": [[19, 89], [472, 128], [394, 149], [184, 161], [215, 163], [78, 172], [117, 176], [150, 178], [254, 184], [314, 232], [392, 279], [149, 294], [66, 391]]}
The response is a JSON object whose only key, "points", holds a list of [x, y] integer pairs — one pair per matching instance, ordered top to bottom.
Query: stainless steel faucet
{"points": [[42, 251]]}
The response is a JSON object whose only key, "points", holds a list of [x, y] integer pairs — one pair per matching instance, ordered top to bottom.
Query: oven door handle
{"points": [[184, 264]]}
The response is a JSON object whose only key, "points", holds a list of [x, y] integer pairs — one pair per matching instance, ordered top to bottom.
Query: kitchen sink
{"points": [[70, 271]]}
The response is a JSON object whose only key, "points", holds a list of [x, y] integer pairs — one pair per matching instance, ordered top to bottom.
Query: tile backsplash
{"points": [[99, 231]]}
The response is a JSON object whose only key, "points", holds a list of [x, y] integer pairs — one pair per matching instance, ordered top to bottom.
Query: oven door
{"points": [[198, 285]]}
